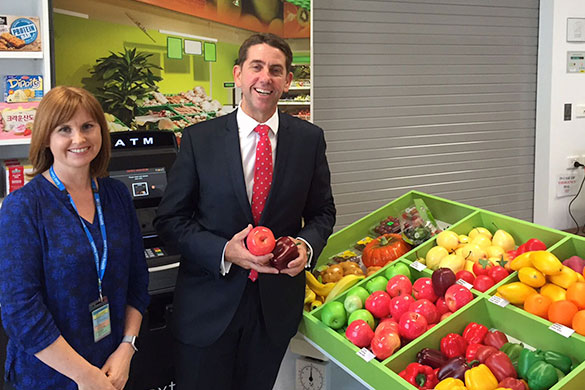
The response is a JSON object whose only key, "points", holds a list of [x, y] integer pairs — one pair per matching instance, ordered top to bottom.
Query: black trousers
{"points": [[243, 358]]}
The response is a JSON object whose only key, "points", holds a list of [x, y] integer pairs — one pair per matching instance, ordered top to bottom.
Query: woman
{"points": [[73, 278]]}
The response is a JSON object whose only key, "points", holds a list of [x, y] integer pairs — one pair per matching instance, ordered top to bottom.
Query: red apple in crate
{"points": [[260, 241], [399, 285], [423, 289], [457, 296], [378, 303], [399, 305], [441, 306], [427, 309], [445, 315], [386, 325], [412, 325], [359, 333], [384, 345]]}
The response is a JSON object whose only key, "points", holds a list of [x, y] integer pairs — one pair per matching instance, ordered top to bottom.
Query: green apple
{"points": [[398, 269], [377, 284], [360, 292], [352, 303], [362, 314], [333, 315]]}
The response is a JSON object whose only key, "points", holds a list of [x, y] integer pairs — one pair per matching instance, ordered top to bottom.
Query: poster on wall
{"points": [[288, 19]]}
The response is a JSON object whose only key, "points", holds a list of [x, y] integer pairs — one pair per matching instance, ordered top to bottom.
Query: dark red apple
{"points": [[260, 241], [399, 285], [423, 289], [457, 296], [378, 303], [399, 305], [441, 306], [427, 309], [386, 325], [412, 325], [359, 333], [384, 345]]}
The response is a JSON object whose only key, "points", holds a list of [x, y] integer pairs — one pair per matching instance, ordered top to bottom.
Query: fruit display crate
{"points": [[514, 321]]}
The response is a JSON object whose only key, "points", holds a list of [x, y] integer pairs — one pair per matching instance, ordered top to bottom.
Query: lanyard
{"points": [[99, 265]]}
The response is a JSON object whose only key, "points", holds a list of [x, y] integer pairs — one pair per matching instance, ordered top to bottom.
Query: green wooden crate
{"points": [[512, 320]]}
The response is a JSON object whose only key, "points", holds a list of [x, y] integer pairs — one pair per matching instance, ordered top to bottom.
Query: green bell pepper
{"points": [[513, 351], [526, 361], [560, 361], [542, 376]]}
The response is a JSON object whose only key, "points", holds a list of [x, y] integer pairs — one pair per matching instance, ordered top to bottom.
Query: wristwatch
{"points": [[132, 340]]}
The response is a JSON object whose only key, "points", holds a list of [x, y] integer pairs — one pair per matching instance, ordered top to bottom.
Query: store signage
{"points": [[229, 85], [137, 139], [417, 265], [465, 284], [498, 301], [561, 329], [365, 354]]}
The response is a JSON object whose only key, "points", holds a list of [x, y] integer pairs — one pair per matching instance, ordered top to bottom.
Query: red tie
{"points": [[262, 178]]}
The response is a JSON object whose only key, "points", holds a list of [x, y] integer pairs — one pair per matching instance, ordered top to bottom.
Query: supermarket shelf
{"points": [[21, 54], [307, 88], [294, 103], [20, 141]]}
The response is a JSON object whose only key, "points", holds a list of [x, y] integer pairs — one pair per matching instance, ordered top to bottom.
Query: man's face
{"points": [[263, 78]]}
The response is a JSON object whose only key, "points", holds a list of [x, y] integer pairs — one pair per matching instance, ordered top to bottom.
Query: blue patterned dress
{"points": [[48, 277]]}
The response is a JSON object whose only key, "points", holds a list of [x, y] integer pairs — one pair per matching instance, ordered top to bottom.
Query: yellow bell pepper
{"points": [[521, 261], [546, 262], [531, 276], [565, 279], [516, 292], [554, 292], [480, 378], [451, 384], [503, 388]]}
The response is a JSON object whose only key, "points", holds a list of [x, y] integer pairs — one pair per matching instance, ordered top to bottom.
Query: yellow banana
{"points": [[345, 283], [318, 287], [310, 295], [315, 304]]}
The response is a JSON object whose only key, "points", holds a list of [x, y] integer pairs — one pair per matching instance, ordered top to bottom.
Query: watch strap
{"points": [[130, 340]]}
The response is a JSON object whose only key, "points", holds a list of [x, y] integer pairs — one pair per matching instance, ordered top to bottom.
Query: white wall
{"points": [[555, 138]]}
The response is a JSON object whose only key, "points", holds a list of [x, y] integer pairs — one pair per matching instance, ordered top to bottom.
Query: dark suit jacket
{"points": [[205, 204]]}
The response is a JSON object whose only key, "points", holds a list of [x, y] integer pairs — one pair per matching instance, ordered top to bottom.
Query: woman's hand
{"points": [[117, 367], [95, 379]]}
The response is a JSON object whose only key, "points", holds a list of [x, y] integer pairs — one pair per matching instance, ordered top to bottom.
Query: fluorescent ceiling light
{"points": [[70, 13], [187, 35]]}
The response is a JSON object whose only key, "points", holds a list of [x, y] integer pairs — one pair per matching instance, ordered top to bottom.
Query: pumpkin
{"points": [[384, 249]]}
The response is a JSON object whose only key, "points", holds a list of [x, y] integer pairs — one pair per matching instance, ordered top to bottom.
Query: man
{"points": [[234, 314]]}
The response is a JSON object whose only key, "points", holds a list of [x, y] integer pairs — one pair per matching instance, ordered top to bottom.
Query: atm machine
{"points": [[142, 161]]}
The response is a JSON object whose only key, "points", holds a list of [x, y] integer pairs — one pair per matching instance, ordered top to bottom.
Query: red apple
{"points": [[260, 241], [465, 275], [483, 283], [399, 285], [423, 289], [457, 296], [378, 303], [399, 305], [441, 306], [427, 309], [445, 315], [386, 325], [412, 325], [359, 333], [384, 345]]}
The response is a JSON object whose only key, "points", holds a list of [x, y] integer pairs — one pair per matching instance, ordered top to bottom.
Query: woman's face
{"points": [[75, 143]]}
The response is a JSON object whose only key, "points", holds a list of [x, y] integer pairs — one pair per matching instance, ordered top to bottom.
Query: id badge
{"points": [[100, 316]]}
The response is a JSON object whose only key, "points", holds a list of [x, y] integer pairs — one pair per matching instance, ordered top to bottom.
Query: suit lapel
{"points": [[234, 159]]}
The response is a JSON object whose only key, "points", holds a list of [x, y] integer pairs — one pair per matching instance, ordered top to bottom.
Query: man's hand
{"points": [[237, 253], [297, 265]]}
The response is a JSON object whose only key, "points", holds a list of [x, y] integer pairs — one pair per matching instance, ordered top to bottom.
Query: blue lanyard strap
{"points": [[99, 265]]}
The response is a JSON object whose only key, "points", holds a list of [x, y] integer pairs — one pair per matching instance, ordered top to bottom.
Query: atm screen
{"points": [[143, 183]]}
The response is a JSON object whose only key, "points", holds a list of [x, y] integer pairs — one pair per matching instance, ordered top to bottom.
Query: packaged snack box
{"points": [[20, 33], [22, 88]]}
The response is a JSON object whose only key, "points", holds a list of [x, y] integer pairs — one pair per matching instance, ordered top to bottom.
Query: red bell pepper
{"points": [[534, 244], [521, 249], [285, 250], [512, 254], [474, 333], [495, 339], [453, 345], [471, 351], [485, 352], [501, 366], [420, 376], [513, 384]]}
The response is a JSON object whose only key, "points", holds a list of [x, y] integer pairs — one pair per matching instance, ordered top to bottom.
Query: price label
{"points": [[417, 265], [465, 284], [499, 301], [562, 330], [366, 354]]}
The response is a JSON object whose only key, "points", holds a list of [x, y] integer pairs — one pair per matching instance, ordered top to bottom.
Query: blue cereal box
{"points": [[22, 88]]}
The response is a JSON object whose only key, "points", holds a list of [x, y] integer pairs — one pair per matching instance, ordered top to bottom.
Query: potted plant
{"points": [[122, 80]]}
